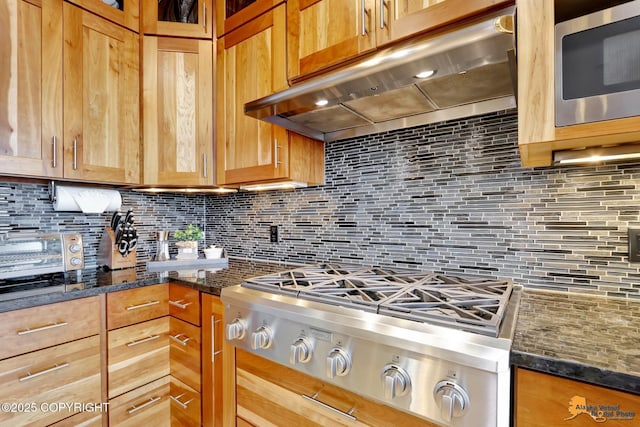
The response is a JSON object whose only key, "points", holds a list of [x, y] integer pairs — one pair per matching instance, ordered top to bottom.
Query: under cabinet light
{"points": [[597, 154], [286, 185], [185, 190]]}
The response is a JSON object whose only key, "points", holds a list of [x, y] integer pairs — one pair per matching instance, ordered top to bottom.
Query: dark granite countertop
{"points": [[96, 281], [593, 339]]}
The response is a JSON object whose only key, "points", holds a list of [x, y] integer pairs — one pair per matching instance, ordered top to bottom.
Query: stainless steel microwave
{"points": [[597, 66]]}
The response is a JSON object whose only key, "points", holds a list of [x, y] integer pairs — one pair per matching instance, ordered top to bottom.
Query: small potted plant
{"points": [[187, 242]]}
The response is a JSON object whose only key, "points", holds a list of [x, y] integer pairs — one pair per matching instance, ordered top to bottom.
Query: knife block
{"points": [[108, 254]]}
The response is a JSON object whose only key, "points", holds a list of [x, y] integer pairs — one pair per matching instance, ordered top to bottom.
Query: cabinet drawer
{"points": [[184, 303], [136, 305], [47, 325], [184, 340], [137, 354], [64, 373], [185, 405], [145, 406], [83, 419]]}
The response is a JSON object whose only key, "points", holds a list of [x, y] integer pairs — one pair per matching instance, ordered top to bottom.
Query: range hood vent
{"points": [[471, 74]]}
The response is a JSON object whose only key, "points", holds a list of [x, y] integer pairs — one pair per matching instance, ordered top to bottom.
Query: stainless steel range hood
{"points": [[471, 75]]}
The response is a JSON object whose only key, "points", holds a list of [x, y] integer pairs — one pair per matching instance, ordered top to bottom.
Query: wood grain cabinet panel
{"points": [[128, 15], [227, 20], [158, 23], [318, 41], [251, 64], [101, 99], [178, 111], [31, 124], [538, 137], [184, 303], [137, 305], [34, 328], [212, 341], [184, 352], [137, 354], [64, 373], [271, 394], [550, 401], [148, 405], [185, 405], [83, 419]]}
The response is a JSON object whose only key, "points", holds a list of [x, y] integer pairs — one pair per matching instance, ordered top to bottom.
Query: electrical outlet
{"points": [[273, 233], [633, 235]]}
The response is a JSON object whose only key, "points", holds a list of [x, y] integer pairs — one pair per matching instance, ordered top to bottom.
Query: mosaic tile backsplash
{"points": [[450, 197]]}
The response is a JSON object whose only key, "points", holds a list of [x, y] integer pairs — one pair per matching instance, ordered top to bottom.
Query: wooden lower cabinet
{"points": [[184, 352], [138, 354], [212, 356], [46, 378], [271, 394], [550, 401], [185, 404], [148, 405], [84, 419]]}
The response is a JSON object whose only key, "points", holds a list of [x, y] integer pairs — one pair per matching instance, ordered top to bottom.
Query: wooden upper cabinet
{"points": [[122, 12], [231, 14], [168, 18], [399, 19], [322, 33], [318, 41], [250, 64], [31, 88], [101, 99], [178, 111], [538, 137]]}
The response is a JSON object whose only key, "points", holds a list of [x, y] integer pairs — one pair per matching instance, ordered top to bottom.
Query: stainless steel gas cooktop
{"points": [[436, 346]]}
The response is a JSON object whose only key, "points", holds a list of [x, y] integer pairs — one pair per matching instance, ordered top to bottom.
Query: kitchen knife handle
{"points": [[383, 5], [54, 146], [75, 153], [329, 407]]}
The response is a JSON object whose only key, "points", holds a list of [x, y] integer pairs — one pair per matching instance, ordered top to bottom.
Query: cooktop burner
{"points": [[474, 304]]}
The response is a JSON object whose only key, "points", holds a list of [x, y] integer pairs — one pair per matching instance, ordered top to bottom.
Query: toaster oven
{"points": [[34, 253]]}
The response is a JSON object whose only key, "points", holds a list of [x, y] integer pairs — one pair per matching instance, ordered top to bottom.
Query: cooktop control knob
{"points": [[75, 248], [75, 261], [236, 330], [261, 338], [300, 351], [338, 363], [396, 381], [452, 399]]}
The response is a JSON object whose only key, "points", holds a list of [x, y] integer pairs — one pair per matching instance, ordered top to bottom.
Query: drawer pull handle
{"points": [[146, 304], [180, 304], [42, 328], [177, 339], [143, 340], [31, 376], [176, 399], [150, 402], [329, 407]]}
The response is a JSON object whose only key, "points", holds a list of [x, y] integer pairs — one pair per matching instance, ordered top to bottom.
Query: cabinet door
{"points": [[122, 12], [230, 14], [192, 18], [397, 19], [317, 39], [250, 65], [31, 88], [101, 110], [178, 111], [212, 340]]}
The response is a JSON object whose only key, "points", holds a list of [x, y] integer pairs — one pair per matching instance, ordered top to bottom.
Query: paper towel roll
{"points": [[86, 199]]}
